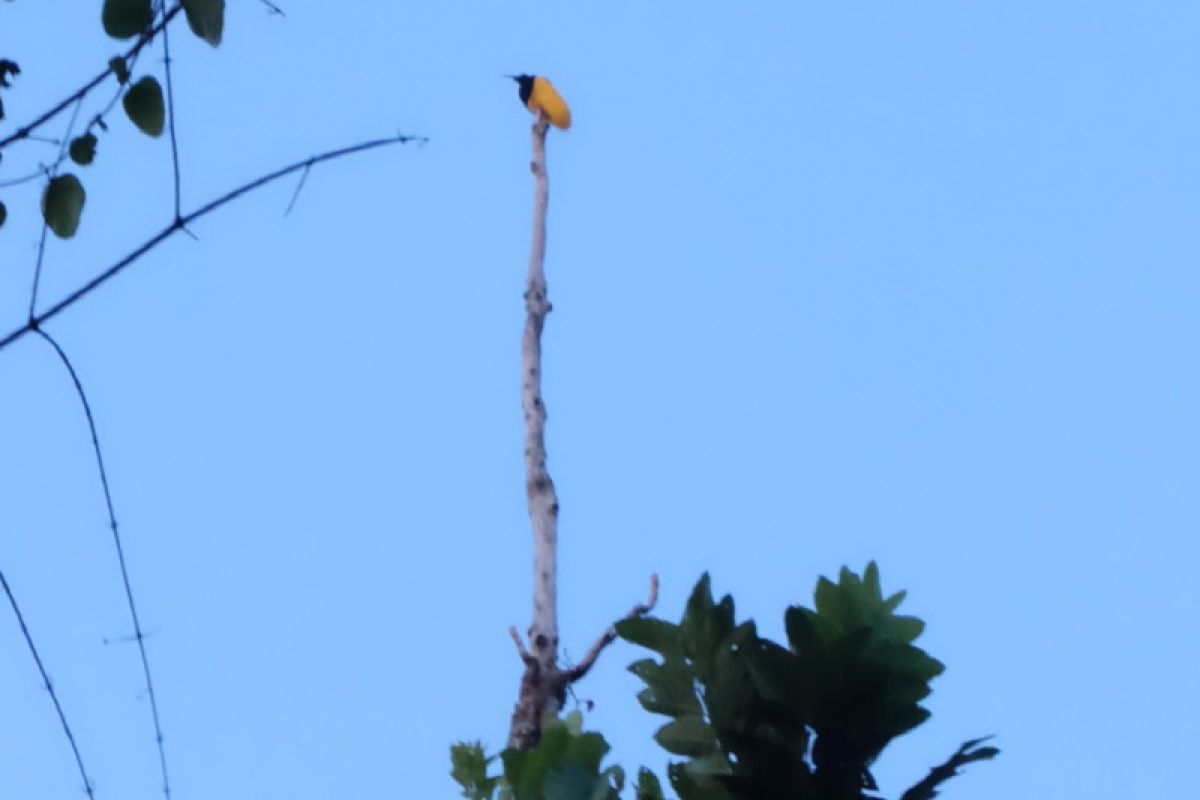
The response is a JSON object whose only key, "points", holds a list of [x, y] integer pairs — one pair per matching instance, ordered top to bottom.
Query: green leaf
{"points": [[206, 18], [124, 19], [120, 69], [144, 105], [83, 149], [62, 205], [3, 213], [871, 582], [893, 602], [705, 624], [906, 629], [654, 634], [670, 687], [573, 721], [687, 736], [587, 750], [469, 767], [526, 770], [615, 774], [573, 782], [648, 786], [689, 788]]}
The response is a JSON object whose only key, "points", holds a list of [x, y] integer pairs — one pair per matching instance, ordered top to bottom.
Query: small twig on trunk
{"points": [[640, 610], [521, 651]]}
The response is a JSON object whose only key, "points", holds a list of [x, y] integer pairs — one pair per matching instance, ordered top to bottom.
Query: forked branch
{"points": [[180, 223]]}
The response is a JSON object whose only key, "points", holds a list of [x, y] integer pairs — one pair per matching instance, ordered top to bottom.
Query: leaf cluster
{"points": [[63, 197], [752, 718], [566, 765]]}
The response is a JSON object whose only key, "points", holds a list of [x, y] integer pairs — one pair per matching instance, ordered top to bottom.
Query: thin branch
{"points": [[166, 40], [25, 131], [44, 140], [65, 145], [32, 176], [296, 194], [179, 224], [41, 250], [37, 270], [112, 522], [640, 610], [516, 637], [49, 685], [968, 753]]}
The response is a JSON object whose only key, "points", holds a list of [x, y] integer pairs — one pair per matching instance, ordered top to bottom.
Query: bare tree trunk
{"points": [[544, 684], [540, 690]]}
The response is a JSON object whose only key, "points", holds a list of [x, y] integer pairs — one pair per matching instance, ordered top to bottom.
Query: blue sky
{"points": [[831, 283]]}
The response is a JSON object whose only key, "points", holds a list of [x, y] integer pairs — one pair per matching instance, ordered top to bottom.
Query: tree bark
{"points": [[543, 683], [541, 686]]}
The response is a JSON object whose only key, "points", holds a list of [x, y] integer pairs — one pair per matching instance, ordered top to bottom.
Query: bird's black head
{"points": [[524, 86]]}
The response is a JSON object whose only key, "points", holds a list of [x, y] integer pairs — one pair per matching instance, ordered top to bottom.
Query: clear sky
{"points": [[832, 282]]}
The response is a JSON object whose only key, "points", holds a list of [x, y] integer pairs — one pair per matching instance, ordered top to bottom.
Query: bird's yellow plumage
{"points": [[538, 94]]}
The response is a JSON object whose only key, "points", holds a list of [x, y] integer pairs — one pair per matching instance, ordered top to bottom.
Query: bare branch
{"points": [[166, 40], [180, 223], [138, 632], [516, 637], [589, 660], [49, 686]]}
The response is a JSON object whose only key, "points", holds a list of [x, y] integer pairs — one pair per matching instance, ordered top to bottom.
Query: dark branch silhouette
{"points": [[166, 40], [25, 131], [158, 238], [35, 320], [138, 634], [48, 684]]}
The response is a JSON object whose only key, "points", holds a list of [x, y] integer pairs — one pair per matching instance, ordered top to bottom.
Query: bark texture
{"points": [[544, 683], [542, 689]]}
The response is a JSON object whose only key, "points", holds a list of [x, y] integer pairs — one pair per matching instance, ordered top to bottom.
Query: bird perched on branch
{"points": [[538, 94]]}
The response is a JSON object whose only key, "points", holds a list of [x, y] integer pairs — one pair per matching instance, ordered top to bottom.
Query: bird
{"points": [[538, 94]]}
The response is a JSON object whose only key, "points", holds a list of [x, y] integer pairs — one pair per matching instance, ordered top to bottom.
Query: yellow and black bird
{"points": [[538, 94]]}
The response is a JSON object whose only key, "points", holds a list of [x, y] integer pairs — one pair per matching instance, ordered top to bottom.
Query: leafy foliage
{"points": [[206, 18], [124, 19], [143, 101], [144, 105], [83, 149], [62, 205], [3, 213], [750, 718], [754, 719], [566, 765], [470, 770], [648, 787]]}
